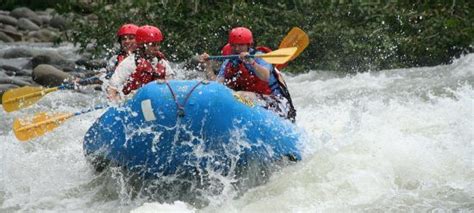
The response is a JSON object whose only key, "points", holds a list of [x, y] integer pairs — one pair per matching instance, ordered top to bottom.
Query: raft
{"points": [[190, 129]]}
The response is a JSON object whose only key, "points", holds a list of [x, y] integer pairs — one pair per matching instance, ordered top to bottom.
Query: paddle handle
{"points": [[224, 57]]}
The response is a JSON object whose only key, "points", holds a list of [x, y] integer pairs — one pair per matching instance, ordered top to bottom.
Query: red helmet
{"points": [[127, 29], [148, 34], [240, 35], [226, 50]]}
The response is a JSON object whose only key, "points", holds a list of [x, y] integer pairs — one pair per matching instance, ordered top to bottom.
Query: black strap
{"points": [[284, 91]]}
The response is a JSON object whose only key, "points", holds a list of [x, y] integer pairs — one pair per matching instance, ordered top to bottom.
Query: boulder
{"points": [[50, 11], [24, 12], [45, 19], [8, 20], [58, 22], [26, 24], [9, 28], [12, 33], [44, 35], [5, 38], [17, 52], [53, 58], [92, 64], [9, 68], [14, 71], [2, 73], [49, 76], [26, 79], [12, 80]]}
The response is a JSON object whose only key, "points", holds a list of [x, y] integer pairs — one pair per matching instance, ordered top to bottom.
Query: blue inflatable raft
{"points": [[190, 128]]}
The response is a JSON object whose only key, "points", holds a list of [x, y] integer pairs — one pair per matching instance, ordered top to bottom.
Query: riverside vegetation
{"points": [[348, 36]]}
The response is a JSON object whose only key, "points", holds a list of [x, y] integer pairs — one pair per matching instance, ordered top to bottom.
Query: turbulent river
{"points": [[395, 140]]}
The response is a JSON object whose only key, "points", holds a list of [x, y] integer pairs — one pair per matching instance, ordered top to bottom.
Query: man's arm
{"points": [[262, 68]]}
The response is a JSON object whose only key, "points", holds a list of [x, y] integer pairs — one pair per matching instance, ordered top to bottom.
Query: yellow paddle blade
{"points": [[295, 38], [279, 56], [23, 97], [39, 124]]}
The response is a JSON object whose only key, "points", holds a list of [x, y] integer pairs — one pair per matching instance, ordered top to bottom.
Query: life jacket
{"points": [[226, 49], [120, 58], [144, 73], [239, 78], [283, 87]]}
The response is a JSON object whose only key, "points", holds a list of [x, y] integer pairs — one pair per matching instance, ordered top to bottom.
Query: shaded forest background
{"points": [[348, 36]]}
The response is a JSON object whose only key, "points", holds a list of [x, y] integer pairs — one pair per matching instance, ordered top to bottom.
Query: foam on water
{"points": [[398, 140]]}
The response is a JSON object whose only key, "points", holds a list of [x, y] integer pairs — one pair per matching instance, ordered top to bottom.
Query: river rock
{"points": [[50, 11], [24, 12], [45, 19], [8, 20], [58, 22], [26, 24], [10, 28], [12, 33], [44, 35], [5, 38], [17, 52], [53, 58], [92, 64], [9, 68], [14, 71], [2, 73], [49, 76], [26, 79], [15, 81], [6, 87]]}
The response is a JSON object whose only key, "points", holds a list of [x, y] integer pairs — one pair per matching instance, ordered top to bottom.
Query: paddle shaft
{"points": [[224, 57], [81, 82], [61, 118], [42, 123]]}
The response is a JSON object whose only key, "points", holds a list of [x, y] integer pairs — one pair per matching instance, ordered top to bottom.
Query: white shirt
{"points": [[127, 67]]}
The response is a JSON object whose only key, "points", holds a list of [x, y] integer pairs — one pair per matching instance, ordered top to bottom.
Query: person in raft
{"points": [[126, 38], [144, 65], [253, 78]]}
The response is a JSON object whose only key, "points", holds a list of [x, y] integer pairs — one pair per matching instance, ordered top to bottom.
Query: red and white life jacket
{"points": [[120, 58], [143, 74]]}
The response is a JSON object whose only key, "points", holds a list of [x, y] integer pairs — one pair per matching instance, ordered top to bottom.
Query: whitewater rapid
{"points": [[392, 140]]}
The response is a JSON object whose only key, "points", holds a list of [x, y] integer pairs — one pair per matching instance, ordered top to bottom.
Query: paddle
{"points": [[295, 38], [279, 56], [23, 97], [41, 123]]}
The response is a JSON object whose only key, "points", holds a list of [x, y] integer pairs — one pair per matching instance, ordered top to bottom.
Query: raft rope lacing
{"points": [[179, 106]]}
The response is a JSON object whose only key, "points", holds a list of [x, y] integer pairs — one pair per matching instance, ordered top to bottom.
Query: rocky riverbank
{"points": [[23, 24], [31, 52]]}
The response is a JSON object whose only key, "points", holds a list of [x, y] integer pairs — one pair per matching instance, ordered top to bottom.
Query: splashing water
{"points": [[394, 140]]}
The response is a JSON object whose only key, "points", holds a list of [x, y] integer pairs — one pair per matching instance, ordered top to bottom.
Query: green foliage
{"points": [[32, 4], [345, 35]]}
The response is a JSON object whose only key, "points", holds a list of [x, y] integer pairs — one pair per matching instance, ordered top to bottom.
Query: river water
{"points": [[394, 140]]}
